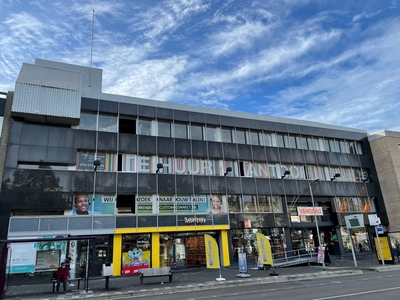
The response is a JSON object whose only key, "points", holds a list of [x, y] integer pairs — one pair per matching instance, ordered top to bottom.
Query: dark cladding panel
{"points": [[89, 104], [109, 107], [128, 109], [147, 112], [165, 114], [181, 116], [196, 117], [212, 120], [227, 121], [242, 123], [255, 124], [293, 128], [15, 132], [34, 135], [61, 137], [85, 139], [107, 141], [127, 143], [147, 145], [165, 146], [182, 148], [199, 149], [214, 150], [230, 151], [244, 152], [32, 154], [259, 154], [57, 155], [272, 155], [286, 155], [12, 156], [298, 156], [310, 157], [322, 158], [333, 159], [343, 159], [354, 160], [81, 181], [105, 182], [127, 183], [146, 183], [166, 183], [184, 184], [201, 185], [217, 185], [233, 186], [249, 186], [263, 187], [277, 187], [290, 187], [340, 189], [147, 221], [166, 221], [126, 222]]}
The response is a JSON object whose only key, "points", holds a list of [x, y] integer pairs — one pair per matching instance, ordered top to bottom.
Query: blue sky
{"points": [[335, 62]]}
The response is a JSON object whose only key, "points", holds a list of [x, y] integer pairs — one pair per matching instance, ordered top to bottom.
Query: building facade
{"points": [[150, 178]]}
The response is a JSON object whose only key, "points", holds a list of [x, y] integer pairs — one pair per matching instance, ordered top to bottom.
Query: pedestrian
{"points": [[360, 247], [398, 252], [68, 266], [62, 276]]}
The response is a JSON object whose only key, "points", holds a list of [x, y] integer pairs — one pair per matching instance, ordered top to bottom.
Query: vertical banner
{"points": [[264, 249], [212, 252], [321, 255], [242, 262]]}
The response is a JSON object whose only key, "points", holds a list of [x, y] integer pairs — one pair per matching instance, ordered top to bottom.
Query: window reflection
{"points": [[88, 121], [107, 123], [144, 127], [180, 131]]}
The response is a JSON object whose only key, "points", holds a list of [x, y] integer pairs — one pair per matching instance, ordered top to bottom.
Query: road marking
{"points": [[356, 294]]}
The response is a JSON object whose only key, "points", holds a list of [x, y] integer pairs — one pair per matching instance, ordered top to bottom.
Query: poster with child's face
{"points": [[103, 204], [217, 204]]}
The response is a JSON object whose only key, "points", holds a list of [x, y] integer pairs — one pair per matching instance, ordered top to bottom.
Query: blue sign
{"points": [[379, 228], [242, 262]]}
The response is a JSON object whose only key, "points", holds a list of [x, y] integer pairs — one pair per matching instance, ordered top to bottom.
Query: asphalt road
{"points": [[371, 285]]}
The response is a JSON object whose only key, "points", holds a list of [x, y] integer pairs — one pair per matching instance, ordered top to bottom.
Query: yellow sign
{"points": [[385, 248], [264, 249], [212, 253]]}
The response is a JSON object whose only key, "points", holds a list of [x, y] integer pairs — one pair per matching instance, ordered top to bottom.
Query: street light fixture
{"points": [[159, 166], [228, 169], [287, 173], [337, 175], [316, 220]]}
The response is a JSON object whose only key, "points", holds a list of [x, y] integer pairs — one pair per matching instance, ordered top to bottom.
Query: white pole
{"points": [[316, 224], [379, 244], [352, 247]]}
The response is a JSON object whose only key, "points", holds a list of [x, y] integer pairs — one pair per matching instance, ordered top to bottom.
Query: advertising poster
{"points": [[104, 204], [144, 204], [166, 204], [184, 204], [201, 204], [217, 204], [212, 252], [321, 255], [136, 256], [21, 258], [242, 263]]}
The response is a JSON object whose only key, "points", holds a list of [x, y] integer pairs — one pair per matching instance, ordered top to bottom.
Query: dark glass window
{"points": [[88, 121], [144, 127], [164, 129], [180, 131], [196, 132], [211, 134], [226, 135], [240, 137]]}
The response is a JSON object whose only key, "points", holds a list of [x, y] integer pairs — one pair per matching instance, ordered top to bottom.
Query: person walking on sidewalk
{"points": [[68, 266], [62, 276]]}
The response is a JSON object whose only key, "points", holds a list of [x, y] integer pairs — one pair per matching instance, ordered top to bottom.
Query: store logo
{"points": [[193, 220]]}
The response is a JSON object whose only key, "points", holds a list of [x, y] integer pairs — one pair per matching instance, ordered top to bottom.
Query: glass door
{"points": [[180, 252]]}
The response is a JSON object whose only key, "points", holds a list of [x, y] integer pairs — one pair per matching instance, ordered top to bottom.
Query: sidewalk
{"points": [[191, 279]]}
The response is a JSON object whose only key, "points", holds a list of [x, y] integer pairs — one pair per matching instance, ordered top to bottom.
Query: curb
{"points": [[216, 285]]}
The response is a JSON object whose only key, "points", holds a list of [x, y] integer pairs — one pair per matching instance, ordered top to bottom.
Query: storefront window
{"points": [[234, 203], [249, 203], [264, 204], [359, 237], [166, 251], [135, 253]]}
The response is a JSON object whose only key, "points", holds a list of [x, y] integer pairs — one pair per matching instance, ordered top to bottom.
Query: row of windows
{"points": [[216, 134], [110, 162]]}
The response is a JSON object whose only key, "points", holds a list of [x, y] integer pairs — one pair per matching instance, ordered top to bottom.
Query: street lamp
{"points": [[159, 166], [228, 169], [287, 173], [337, 175], [316, 220]]}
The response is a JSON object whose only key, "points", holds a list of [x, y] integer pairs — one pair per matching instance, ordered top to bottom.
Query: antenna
{"points": [[91, 51]]}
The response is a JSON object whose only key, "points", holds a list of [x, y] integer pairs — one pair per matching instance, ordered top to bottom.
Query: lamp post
{"points": [[287, 173], [316, 220]]}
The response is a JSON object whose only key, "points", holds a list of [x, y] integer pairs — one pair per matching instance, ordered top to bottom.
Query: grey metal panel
{"points": [[42, 91]]}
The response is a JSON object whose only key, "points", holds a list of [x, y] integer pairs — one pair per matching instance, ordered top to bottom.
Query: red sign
{"points": [[309, 211]]}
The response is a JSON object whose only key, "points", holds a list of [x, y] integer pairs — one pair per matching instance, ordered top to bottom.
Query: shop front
{"points": [[176, 250]]}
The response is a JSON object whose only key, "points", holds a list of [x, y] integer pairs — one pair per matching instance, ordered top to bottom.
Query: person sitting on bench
{"points": [[62, 276]]}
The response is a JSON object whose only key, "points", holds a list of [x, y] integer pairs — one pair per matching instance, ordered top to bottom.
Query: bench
{"points": [[155, 272], [54, 281]]}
